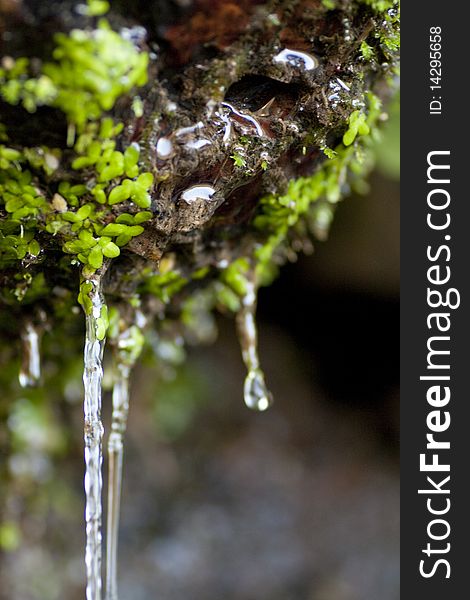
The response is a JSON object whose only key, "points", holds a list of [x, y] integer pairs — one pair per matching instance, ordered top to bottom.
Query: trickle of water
{"points": [[296, 58], [244, 119], [226, 126], [128, 347], [30, 370], [256, 394], [93, 434]]}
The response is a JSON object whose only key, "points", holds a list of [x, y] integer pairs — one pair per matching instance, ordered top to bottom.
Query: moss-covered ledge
{"points": [[173, 162]]}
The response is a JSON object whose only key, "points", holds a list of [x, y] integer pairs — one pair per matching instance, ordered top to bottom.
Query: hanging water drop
{"points": [[127, 349], [30, 370], [256, 394], [93, 434]]}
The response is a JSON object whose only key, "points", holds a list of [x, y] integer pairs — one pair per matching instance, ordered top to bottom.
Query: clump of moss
{"points": [[90, 71], [347, 166]]}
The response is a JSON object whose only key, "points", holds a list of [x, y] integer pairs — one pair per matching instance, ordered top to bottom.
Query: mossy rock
{"points": [[167, 159]]}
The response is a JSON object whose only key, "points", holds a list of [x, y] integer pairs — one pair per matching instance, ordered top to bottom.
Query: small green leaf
{"points": [[364, 129], [349, 137], [131, 156], [82, 162], [115, 168], [145, 180], [78, 189], [120, 193], [99, 194], [141, 198], [13, 205], [26, 211], [84, 212], [142, 216], [71, 217], [126, 219], [113, 229], [134, 230], [87, 238], [123, 239], [104, 241], [73, 247], [34, 248], [111, 250], [95, 258], [84, 298], [100, 329]]}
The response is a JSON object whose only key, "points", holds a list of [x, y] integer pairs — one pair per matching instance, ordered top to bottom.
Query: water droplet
{"points": [[136, 34], [296, 58], [171, 106], [198, 144], [164, 148], [198, 192], [30, 371], [256, 394], [93, 433]]}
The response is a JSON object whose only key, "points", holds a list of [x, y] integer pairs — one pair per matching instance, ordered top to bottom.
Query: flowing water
{"points": [[127, 349], [30, 371], [256, 394], [93, 434], [115, 458]]}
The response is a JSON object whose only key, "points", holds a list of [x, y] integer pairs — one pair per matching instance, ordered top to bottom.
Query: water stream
{"points": [[128, 346], [30, 370], [256, 394], [93, 434], [115, 458]]}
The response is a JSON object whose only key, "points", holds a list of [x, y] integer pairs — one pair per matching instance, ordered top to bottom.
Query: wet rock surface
{"points": [[242, 97]]}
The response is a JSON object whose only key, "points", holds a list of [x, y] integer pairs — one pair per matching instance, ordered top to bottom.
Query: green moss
{"points": [[380, 5], [96, 8], [367, 51], [90, 71], [357, 125], [238, 160], [315, 196], [97, 211], [235, 276], [164, 285]]}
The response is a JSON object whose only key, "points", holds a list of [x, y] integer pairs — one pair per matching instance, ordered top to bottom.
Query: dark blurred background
{"points": [[298, 503]]}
